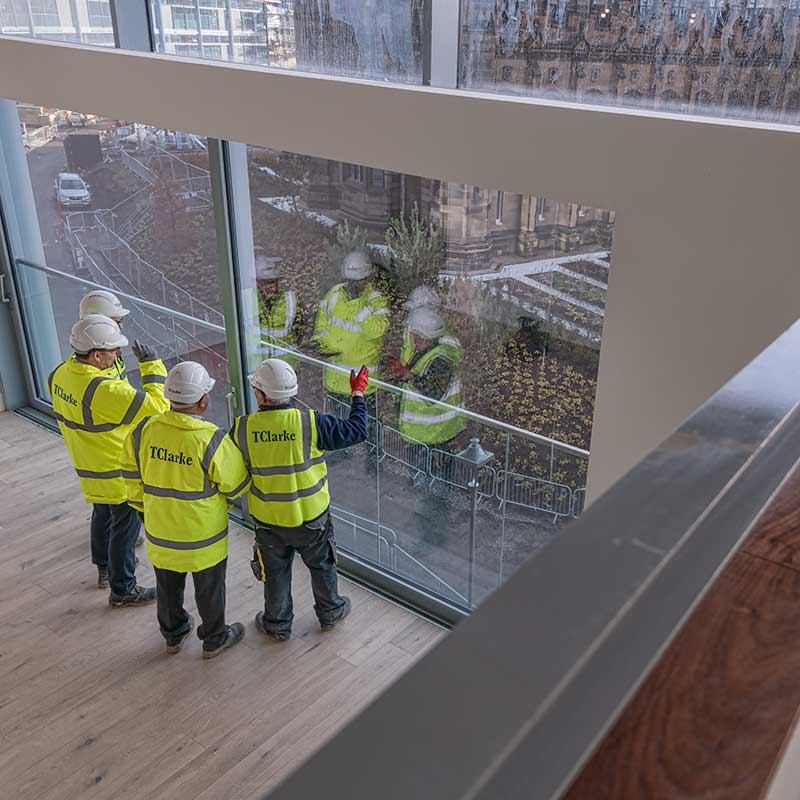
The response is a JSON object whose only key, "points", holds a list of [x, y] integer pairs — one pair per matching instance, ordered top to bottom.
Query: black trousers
{"points": [[114, 530], [315, 544], [209, 593]]}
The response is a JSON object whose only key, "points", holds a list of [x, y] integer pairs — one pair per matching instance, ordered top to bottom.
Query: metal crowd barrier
{"points": [[411, 454], [425, 462], [454, 471], [536, 493], [578, 500]]}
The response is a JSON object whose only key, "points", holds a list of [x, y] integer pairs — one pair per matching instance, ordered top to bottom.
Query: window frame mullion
{"points": [[131, 22], [440, 52]]}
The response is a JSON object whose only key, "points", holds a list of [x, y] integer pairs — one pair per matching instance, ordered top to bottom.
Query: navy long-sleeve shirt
{"points": [[334, 433]]}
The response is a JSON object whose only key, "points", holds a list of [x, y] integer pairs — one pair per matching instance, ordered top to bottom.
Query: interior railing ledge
{"points": [[511, 703]]}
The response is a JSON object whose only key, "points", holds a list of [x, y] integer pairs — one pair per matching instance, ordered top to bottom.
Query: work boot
{"points": [[102, 577], [138, 597], [330, 624], [235, 634], [278, 636], [176, 645]]}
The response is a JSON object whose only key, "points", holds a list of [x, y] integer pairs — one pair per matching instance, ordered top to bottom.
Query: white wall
{"points": [[704, 269]]}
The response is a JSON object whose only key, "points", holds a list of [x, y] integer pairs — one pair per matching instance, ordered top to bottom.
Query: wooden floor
{"points": [[91, 706]]}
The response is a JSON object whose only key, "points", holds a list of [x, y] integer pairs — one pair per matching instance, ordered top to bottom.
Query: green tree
{"points": [[417, 251]]}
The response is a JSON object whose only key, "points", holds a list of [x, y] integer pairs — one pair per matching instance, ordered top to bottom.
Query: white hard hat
{"points": [[356, 266], [267, 269], [422, 296], [102, 302], [427, 322], [96, 332], [275, 378], [187, 382]]}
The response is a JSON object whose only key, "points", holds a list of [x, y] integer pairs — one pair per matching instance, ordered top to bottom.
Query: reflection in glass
{"points": [[81, 21], [361, 38], [720, 58], [148, 232], [480, 312]]}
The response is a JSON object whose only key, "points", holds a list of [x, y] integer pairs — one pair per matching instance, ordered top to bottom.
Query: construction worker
{"points": [[101, 301], [279, 316], [351, 323], [428, 366], [95, 413], [283, 447], [181, 470]]}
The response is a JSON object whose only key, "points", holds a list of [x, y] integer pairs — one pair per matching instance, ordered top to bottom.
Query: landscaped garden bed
{"points": [[588, 268], [574, 287], [557, 309]]}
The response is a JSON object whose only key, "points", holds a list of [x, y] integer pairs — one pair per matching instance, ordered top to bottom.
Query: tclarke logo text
{"points": [[66, 397], [269, 436], [162, 454]]}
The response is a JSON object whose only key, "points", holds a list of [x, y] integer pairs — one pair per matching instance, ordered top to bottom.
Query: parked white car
{"points": [[76, 118], [72, 191]]}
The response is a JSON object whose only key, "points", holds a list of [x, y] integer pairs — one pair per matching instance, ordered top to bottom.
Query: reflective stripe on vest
{"points": [[278, 320], [344, 335], [451, 397], [95, 410], [428, 420], [88, 425], [280, 470], [88, 473], [208, 490], [198, 515], [199, 544]]}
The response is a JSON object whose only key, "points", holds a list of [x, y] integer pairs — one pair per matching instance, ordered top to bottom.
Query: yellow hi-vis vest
{"points": [[277, 324], [354, 331], [95, 413], [422, 419], [180, 471], [290, 477]]}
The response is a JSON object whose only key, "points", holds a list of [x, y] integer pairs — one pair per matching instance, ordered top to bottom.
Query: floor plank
{"points": [[91, 704]]}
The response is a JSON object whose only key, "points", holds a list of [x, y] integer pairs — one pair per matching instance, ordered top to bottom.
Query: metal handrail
{"points": [[200, 323], [492, 423]]}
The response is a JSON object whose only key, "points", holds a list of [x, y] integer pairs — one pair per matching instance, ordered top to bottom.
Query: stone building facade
{"points": [[733, 59], [482, 228]]}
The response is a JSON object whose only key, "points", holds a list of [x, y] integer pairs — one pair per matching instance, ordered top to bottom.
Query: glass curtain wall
{"points": [[80, 21], [379, 39], [732, 59], [128, 207], [479, 312], [480, 315]]}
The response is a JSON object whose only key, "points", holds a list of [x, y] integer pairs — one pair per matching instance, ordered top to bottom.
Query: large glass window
{"points": [[44, 13], [99, 13], [83, 21], [362, 38], [735, 60], [128, 207], [480, 315]]}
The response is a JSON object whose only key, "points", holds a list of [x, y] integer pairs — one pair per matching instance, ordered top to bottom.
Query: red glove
{"points": [[359, 383]]}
